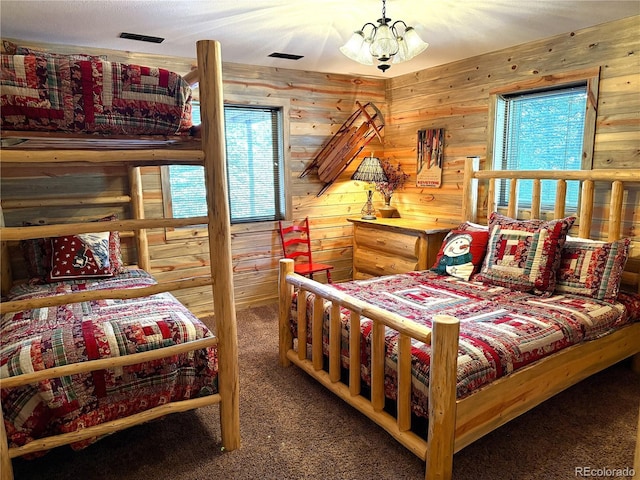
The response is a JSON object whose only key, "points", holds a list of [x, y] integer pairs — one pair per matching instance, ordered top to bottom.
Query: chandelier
{"points": [[387, 43]]}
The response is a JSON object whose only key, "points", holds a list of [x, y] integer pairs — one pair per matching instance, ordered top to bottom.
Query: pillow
{"points": [[71, 56], [474, 227], [115, 250], [34, 252], [461, 253], [37, 254], [524, 254], [80, 256], [593, 269]]}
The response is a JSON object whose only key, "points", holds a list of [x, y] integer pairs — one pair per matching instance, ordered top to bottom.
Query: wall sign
{"points": [[430, 155]]}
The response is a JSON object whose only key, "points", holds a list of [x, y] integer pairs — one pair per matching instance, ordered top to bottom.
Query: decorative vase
{"points": [[387, 211]]}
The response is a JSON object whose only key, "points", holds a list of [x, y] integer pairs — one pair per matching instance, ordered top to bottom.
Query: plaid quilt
{"points": [[64, 93], [501, 330], [43, 338]]}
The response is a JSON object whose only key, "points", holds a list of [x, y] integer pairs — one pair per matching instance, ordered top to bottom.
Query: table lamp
{"points": [[369, 171]]}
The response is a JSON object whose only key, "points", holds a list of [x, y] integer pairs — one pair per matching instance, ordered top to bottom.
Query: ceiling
{"points": [[249, 30]]}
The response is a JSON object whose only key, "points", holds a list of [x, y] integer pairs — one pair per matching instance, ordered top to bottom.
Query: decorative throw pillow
{"points": [[71, 56], [474, 227], [115, 250], [461, 253], [37, 254], [524, 254], [79, 256], [37, 259], [592, 269]]}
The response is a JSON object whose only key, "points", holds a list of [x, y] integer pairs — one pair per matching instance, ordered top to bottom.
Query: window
{"points": [[549, 127], [254, 169]]}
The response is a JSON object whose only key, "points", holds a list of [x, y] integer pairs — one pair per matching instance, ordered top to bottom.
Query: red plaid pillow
{"points": [[524, 254], [592, 269]]}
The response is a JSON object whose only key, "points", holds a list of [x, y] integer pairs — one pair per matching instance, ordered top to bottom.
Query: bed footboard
{"points": [[438, 449]]}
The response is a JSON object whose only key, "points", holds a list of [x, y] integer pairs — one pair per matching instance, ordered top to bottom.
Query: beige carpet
{"points": [[292, 428]]}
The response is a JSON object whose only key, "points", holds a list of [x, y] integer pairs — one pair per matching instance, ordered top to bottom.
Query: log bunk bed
{"points": [[209, 357], [385, 378]]}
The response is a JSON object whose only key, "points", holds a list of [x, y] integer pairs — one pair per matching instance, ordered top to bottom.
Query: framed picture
{"points": [[430, 155]]}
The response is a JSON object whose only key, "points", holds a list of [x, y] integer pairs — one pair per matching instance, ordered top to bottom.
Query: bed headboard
{"points": [[609, 203]]}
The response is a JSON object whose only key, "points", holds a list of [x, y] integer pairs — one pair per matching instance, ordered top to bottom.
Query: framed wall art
{"points": [[430, 155]]}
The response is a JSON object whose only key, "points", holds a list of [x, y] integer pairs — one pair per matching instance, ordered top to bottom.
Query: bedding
{"points": [[85, 94], [501, 330], [47, 337]]}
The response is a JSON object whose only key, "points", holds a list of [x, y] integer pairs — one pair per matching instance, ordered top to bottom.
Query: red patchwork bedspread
{"points": [[63, 93], [500, 330], [48, 337]]}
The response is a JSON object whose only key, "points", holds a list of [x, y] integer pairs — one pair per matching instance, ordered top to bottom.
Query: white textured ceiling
{"points": [[249, 30]]}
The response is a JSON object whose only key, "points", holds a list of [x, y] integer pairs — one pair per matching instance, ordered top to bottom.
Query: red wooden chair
{"points": [[296, 244]]}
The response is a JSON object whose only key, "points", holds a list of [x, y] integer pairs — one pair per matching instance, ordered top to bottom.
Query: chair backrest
{"points": [[296, 242]]}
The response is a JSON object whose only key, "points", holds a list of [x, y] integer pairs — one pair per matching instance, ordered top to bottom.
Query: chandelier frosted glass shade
{"points": [[385, 43]]}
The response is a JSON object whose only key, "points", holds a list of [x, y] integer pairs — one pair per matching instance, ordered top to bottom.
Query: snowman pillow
{"points": [[461, 253]]}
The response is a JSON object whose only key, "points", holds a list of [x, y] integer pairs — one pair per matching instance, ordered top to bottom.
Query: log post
{"points": [[470, 190], [137, 209], [219, 229], [5, 265], [285, 292], [442, 397], [6, 469]]}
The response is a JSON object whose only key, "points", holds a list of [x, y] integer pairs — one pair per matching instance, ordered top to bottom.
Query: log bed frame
{"points": [[210, 152], [454, 424]]}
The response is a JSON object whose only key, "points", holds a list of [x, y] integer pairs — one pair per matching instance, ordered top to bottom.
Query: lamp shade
{"points": [[415, 45], [370, 170]]}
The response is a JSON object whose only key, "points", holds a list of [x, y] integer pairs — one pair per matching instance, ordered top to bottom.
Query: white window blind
{"points": [[541, 131], [254, 168]]}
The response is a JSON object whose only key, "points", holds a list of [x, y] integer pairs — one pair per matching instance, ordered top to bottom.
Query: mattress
{"points": [[85, 94], [500, 330], [48, 337]]}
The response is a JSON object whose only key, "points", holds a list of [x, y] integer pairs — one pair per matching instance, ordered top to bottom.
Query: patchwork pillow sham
{"points": [[461, 253], [524, 254], [591, 268]]}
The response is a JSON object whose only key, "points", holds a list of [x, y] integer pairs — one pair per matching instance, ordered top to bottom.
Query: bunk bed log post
{"points": [[470, 190], [137, 209], [219, 229], [5, 264], [285, 293], [442, 397], [637, 455], [6, 469]]}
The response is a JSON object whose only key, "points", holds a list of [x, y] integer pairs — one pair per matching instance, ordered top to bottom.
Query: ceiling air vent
{"points": [[141, 38], [286, 56]]}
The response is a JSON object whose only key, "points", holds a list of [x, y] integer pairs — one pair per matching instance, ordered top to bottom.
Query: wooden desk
{"points": [[394, 245]]}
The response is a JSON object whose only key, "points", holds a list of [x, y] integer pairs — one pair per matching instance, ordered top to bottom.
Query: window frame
{"points": [[589, 76], [283, 104]]}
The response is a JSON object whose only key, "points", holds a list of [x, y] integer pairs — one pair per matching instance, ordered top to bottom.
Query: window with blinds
{"points": [[541, 130], [254, 168]]}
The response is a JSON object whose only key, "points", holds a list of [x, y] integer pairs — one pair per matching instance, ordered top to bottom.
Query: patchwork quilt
{"points": [[82, 94], [501, 330], [48, 337]]}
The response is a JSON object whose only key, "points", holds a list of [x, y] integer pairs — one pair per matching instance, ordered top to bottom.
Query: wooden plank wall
{"points": [[452, 96]]}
